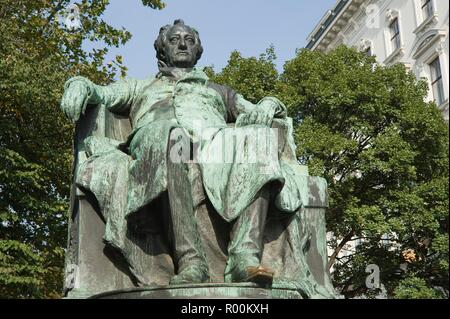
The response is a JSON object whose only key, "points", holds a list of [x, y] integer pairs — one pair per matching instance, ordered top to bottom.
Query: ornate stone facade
{"points": [[423, 27]]}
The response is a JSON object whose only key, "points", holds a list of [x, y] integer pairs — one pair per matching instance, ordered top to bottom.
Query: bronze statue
{"points": [[165, 170]]}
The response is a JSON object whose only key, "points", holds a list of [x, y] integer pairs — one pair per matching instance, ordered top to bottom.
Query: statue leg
{"points": [[246, 243], [189, 254]]}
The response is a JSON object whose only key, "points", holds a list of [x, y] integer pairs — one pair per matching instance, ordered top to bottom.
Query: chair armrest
{"points": [[97, 124]]}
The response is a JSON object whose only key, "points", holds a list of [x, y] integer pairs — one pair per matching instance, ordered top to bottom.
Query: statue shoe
{"points": [[192, 274], [257, 274]]}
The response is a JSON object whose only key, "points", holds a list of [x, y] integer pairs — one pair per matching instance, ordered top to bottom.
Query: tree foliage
{"points": [[38, 53], [252, 77], [384, 152]]}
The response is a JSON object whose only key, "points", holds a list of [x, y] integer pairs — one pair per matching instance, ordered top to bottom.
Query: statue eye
{"points": [[173, 40], [190, 40]]}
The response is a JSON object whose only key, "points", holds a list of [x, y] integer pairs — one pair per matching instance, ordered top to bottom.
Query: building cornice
{"points": [[331, 23]]}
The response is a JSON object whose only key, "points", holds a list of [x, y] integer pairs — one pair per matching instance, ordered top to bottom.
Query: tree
{"points": [[38, 53], [252, 77], [384, 152], [414, 288]]}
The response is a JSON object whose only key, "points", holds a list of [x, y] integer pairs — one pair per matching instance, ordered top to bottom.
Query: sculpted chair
{"points": [[107, 253]]}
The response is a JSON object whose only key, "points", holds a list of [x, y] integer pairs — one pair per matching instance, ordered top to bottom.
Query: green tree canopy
{"points": [[38, 53], [252, 77], [384, 152]]}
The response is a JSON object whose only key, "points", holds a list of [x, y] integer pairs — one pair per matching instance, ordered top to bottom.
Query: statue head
{"points": [[178, 45]]}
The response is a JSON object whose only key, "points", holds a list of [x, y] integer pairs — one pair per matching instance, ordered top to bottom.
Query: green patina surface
{"points": [[200, 111], [126, 187], [212, 291]]}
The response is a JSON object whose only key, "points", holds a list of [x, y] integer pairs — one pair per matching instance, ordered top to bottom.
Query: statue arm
{"points": [[117, 97], [268, 103], [237, 105], [245, 113]]}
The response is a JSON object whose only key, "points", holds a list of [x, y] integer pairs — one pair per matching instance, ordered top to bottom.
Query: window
{"points": [[427, 9], [395, 34], [436, 81]]}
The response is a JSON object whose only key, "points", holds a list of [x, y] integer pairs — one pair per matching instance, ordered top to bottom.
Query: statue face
{"points": [[180, 47]]}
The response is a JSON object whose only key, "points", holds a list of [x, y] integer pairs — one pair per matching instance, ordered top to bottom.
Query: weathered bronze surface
{"points": [[166, 192], [202, 291]]}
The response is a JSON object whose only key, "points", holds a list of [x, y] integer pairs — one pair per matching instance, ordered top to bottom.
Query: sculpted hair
{"points": [[161, 39]]}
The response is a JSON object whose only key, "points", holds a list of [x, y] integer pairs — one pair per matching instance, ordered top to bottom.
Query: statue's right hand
{"points": [[75, 100]]}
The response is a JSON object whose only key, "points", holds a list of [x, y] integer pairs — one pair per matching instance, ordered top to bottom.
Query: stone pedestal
{"points": [[202, 291]]}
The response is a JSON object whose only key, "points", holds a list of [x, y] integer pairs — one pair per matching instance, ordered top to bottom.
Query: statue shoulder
{"points": [[149, 79], [138, 82], [135, 84], [227, 93]]}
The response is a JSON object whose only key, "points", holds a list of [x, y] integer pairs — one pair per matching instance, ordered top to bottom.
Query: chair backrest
{"points": [[98, 121], [82, 276]]}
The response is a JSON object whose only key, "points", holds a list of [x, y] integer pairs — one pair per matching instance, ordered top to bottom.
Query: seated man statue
{"points": [[181, 111]]}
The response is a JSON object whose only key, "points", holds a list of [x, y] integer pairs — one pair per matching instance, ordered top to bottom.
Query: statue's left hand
{"points": [[256, 116]]}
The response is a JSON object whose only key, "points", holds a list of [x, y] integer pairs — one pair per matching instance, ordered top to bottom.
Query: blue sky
{"points": [[249, 26]]}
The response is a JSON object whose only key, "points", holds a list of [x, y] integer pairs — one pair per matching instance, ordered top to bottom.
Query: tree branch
{"points": [[341, 245]]}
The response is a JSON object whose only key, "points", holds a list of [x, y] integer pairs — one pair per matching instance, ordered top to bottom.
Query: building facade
{"points": [[412, 32]]}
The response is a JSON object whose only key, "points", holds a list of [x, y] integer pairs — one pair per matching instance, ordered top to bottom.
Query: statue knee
{"points": [[180, 146]]}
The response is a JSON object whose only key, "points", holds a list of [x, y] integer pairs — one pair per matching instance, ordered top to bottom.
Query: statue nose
{"points": [[182, 43]]}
